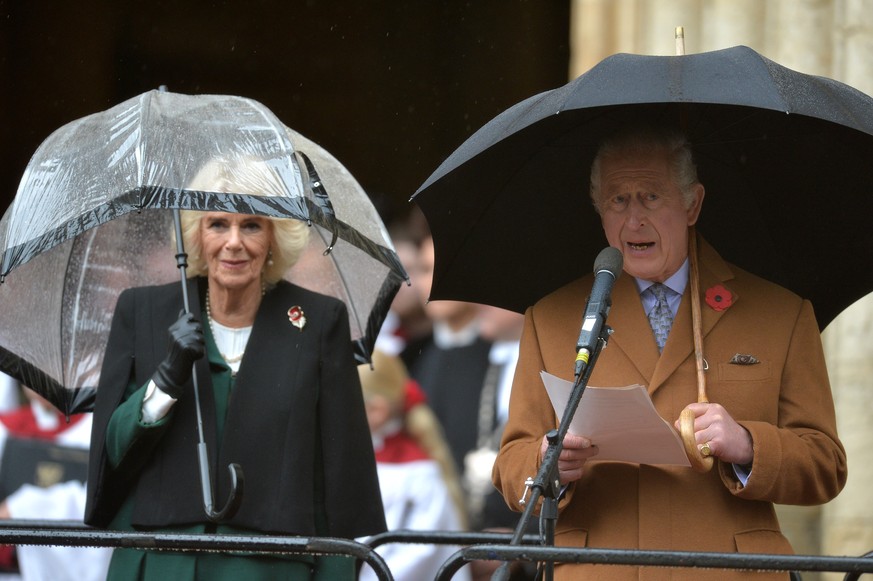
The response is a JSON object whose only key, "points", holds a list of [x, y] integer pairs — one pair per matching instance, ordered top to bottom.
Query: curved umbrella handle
{"points": [[698, 461], [236, 475], [237, 484]]}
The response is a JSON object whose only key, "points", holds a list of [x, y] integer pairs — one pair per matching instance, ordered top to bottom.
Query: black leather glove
{"points": [[187, 345]]}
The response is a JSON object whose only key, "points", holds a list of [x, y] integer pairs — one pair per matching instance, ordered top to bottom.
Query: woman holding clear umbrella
{"points": [[279, 393]]}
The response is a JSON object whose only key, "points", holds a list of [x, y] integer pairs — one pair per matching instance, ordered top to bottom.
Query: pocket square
{"points": [[741, 359]]}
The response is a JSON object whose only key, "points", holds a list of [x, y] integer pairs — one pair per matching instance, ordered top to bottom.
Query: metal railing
{"points": [[73, 534], [476, 546]]}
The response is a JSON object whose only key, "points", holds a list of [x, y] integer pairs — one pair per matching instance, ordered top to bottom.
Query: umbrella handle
{"points": [[699, 462], [235, 470], [237, 484]]}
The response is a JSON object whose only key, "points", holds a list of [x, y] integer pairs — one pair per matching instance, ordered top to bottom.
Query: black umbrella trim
{"points": [[153, 197], [364, 345], [68, 400]]}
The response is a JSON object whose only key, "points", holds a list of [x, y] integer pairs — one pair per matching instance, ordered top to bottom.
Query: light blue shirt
{"points": [[677, 284]]}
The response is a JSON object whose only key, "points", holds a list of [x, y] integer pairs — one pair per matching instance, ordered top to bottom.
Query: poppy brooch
{"points": [[719, 298], [296, 316]]}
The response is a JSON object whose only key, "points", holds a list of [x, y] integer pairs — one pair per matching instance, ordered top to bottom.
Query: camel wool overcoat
{"points": [[780, 394]]}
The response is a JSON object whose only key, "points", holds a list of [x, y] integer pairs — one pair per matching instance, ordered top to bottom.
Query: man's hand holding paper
{"points": [[622, 423]]}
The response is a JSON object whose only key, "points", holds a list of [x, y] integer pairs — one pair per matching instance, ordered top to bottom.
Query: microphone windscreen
{"points": [[610, 260]]}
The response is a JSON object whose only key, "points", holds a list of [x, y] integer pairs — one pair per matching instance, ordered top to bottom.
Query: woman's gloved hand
{"points": [[187, 345]]}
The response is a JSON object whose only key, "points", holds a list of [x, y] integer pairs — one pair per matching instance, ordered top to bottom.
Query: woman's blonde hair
{"points": [[249, 176], [388, 378]]}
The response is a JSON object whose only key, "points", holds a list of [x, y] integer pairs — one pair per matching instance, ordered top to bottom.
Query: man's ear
{"points": [[696, 204]]}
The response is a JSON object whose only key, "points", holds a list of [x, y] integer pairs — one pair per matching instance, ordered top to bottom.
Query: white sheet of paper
{"points": [[622, 422]]}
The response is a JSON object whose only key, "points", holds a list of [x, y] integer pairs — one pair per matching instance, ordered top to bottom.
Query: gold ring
{"points": [[705, 450]]}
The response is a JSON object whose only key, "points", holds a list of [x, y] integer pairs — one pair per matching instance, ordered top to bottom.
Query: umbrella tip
{"points": [[680, 40]]}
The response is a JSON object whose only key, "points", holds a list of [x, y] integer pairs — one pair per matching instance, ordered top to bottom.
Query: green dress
{"points": [[129, 564]]}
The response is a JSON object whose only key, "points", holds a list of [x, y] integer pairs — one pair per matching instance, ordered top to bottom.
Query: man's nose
{"points": [[636, 214]]}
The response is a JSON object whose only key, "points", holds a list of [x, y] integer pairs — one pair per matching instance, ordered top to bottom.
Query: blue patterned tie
{"points": [[661, 317]]}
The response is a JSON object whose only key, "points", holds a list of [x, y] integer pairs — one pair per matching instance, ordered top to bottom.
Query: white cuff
{"points": [[156, 404], [741, 474]]}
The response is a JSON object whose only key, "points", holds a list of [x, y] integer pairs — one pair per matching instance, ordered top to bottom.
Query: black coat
{"points": [[295, 423]]}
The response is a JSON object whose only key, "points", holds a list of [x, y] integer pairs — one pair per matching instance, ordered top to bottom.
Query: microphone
{"points": [[607, 267]]}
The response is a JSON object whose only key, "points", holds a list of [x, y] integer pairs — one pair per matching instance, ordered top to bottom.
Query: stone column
{"points": [[727, 23], [803, 34], [591, 39], [847, 521]]}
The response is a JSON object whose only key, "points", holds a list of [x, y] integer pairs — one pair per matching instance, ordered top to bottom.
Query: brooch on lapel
{"points": [[719, 298], [296, 316], [740, 359]]}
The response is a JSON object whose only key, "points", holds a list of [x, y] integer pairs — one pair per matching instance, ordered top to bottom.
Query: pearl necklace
{"points": [[229, 360]]}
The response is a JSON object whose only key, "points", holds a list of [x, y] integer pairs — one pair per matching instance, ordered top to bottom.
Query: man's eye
{"points": [[651, 200]]}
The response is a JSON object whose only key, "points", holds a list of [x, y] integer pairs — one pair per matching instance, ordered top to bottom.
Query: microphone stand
{"points": [[546, 484]]}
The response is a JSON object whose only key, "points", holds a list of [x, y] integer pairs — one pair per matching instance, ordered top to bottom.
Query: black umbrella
{"points": [[784, 157]]}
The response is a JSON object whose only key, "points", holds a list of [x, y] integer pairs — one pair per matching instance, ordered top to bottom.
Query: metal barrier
{"points": [[73, 534], [446, 538], [476, 546], [853, 566]]}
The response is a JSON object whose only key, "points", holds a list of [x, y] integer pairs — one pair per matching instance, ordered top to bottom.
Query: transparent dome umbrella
{"points": [[93, 215]]}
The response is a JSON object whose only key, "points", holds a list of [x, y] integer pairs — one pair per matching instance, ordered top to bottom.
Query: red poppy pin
{"points": [[719, 298], [296, 316]]}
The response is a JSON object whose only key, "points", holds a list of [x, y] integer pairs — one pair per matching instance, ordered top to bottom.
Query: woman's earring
{"points": [[270, 258]]}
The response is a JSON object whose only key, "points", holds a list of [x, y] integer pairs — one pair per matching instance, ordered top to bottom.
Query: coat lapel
{"points": [[626, 315], [641, 350]]}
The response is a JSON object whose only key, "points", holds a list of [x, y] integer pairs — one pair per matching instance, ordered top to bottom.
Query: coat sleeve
{"points": [[531, 416], [120, 443], [799, 460], [105, 491], [352, 501]]}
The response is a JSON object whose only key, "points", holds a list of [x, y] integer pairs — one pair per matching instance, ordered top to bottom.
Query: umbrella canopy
{"points": [[784, 157], [91, 218]]}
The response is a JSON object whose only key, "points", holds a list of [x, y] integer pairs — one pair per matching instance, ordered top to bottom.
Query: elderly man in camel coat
{"points": [[770, 428]]}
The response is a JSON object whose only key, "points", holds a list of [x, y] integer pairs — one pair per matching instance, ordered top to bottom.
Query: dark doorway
{"points": [[389, 87]]}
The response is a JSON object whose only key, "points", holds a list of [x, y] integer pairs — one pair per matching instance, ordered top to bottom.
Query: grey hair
{"points": [[643, 142], [253, 177]]}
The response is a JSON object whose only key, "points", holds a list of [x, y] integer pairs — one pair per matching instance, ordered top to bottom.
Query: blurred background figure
{"points": [[407, 326], [503, 328], [452, 364], [417, 476], [42, 477], [487, 509]]}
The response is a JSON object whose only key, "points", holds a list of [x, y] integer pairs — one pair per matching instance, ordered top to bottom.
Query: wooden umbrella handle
{"points": [[698, 461]]}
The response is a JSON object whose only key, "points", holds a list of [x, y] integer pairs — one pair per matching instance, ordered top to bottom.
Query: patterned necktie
{"points": [[661, 317]]}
